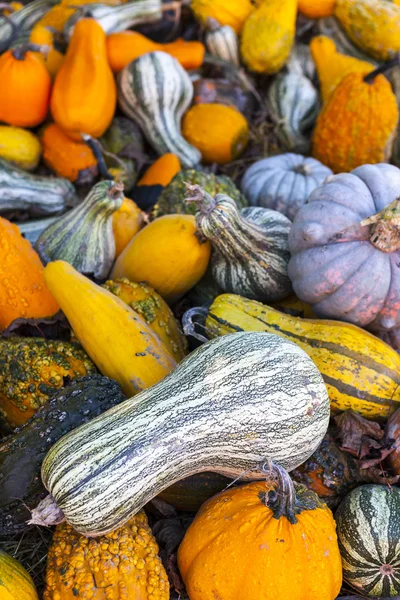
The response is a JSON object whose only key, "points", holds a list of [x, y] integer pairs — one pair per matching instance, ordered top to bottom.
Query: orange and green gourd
{"points": [[233, 13], [122, 565], [15, 581]]}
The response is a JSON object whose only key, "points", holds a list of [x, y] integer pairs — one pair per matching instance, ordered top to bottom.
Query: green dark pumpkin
{"points": [[190, 493]]}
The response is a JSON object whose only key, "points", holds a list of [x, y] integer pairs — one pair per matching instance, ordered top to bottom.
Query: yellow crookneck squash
{"points": [[268, 35], [333, 66], [84, 93], [358, 123], [169, 255], [117, 339], [361, 372], [262, 540], [122, 565], [15, 581]]}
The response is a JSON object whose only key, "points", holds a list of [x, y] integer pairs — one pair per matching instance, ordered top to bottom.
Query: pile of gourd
{"points": [[178, 340]]}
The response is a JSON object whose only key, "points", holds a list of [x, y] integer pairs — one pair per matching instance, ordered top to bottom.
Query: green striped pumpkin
{"points": [[155, 91], [250, 251], [228, 407], [368, 526]]}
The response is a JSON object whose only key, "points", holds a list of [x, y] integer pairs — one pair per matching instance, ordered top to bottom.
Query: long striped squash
{"points": [[155, 91], [361, 372], [232, 404], [368, 526]]}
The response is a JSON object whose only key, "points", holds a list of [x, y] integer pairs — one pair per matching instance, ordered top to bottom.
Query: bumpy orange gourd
{"points": [[315, 9], [233, 13], [373, 25], [268, 35], [126, 46], [52, 59], [333, 66], [25, 88], [84, 94], [357, 125], [220, 132], [66, 157], [162, 171], [127, 221], [169, 255], [23, 292], [155, 311], [117, 339], [261, 541], [121, 565], [15, 581]]}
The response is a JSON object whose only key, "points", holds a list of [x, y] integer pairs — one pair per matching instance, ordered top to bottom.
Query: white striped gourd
{"points": [[222, 41], [232, 404]]}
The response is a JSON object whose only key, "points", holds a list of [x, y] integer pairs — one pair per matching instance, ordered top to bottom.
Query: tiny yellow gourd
{"points": [[20, 147]]}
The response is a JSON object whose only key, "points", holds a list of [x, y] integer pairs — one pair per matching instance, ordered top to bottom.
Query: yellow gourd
{"points": [[315, 9], [227, 12], [373, 25], [268, 35], [52, 59], [333, 66], [220, 132], [20, 147], [127, 221], [169, 255], [117, 339], [361, 372], [15, 581]]}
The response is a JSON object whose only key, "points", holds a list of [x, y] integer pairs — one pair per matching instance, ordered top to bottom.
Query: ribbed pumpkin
{"points": [[315, 9], [233, 13], [373, 25], [268, 35], [126, 46], [25, 88], [84, 93], [357, 124], [221, 133], [20, 147], [66, 157], [126, 222], [169, 254], [23, 292], [118, 340], [32, 369], [368, 522], [277, 537], [120, 565], [15, 581]]}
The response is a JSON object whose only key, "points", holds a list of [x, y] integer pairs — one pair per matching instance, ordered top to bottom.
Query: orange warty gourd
{"points": [[316, 9], [126, 46], [332, 66], [25, 88], [84, 94], [358, 123], [220, 132], [66, 157], [162, 171], [127, 221], [169, 255], [23, 292], [117, 339], [260, 541], [122, 565]]}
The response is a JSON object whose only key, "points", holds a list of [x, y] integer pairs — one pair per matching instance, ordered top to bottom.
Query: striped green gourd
{"points": [[20, 22], [223, 42], [155, 91], [33, 194], [84, 237], [250, 251], [234, 403], [368, 527]]}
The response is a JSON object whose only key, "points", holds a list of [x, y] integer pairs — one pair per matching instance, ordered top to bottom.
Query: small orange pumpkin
{"points": [[25, 87], [84, 94]]}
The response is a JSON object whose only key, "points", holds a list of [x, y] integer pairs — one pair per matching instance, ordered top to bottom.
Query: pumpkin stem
{"points": [[213, 24], [19, 52], [370, 77], [97, 150], [303, 170], [205, 202], [385, 228], [195, 318], [282, 499], [46, 513]]}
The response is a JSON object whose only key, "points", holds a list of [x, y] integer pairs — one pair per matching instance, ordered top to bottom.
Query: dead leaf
{"points": [[353, 431]]}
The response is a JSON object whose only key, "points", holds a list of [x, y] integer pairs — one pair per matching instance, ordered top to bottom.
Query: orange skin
{"points": [[25, 89], [84, 94], [162, 171]]}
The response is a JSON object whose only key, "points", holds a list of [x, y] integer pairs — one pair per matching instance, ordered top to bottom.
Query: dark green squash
{"points": [[22, 453], [190, 493]]}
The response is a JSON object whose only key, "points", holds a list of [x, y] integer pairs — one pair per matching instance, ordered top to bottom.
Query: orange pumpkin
{"points": [[25, 88], [84, 94], [127, 221], [262, 540]]}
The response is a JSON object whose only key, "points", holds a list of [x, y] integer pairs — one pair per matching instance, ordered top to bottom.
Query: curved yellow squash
{"points": [[117, 339], [360, 371], [15, 581]]}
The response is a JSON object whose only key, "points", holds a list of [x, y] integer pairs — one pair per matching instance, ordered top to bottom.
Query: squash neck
{"points": [[382, 70], [204, 201], [385, 228]]}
